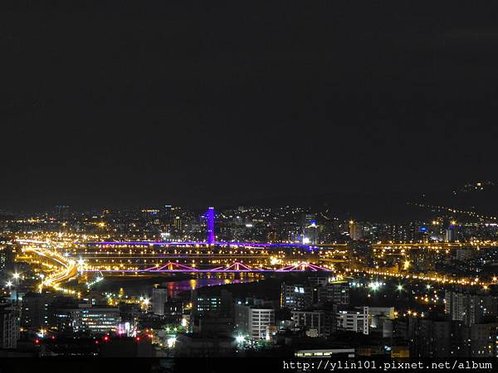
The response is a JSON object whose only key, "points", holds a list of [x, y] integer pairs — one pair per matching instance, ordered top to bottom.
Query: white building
{"points": [[159, 298], [356, 320], [255, 321]]}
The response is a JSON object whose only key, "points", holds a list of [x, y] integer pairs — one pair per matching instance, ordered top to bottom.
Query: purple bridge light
{"points": [[235, 267]]}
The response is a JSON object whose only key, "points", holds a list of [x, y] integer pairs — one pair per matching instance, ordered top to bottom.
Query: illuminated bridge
{"points": [[224, 244], [157, 257], [236, 267]]}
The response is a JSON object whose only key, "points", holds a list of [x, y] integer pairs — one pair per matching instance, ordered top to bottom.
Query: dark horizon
{"points": [[231, 104]]}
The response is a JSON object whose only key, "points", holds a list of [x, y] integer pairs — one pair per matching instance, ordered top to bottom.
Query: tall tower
{"points": [[210, 226], [355, 230]]}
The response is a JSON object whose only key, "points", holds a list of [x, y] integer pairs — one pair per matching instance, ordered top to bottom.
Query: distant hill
{"points": [[481, 198]]}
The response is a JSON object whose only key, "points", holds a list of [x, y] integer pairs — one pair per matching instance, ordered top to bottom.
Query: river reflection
{"points": [[140, 286]]}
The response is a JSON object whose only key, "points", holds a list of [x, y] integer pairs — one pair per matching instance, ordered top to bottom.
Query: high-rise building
{"points": [[355, 230], [450, 234], [6, 260], [314, 291], [334, 292], [296, 296], [159, 298], [205, 302], [470, 308], [173, 309], [35, 310], [85, 318], [354, 320], [255, 321], [317, 323], [9, 326], [431, 338], [483, 340]]}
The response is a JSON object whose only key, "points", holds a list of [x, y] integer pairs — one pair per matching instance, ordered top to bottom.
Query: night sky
{"points": [[121, 104]]}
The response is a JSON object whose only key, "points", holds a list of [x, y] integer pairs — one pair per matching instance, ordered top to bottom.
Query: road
{"points": [[67, 269]]}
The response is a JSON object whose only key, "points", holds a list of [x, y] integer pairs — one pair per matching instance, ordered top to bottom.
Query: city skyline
{"points": [[476, 200], [176, 284]]}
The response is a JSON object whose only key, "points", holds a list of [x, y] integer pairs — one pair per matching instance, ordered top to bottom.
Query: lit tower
{"points": [[210, 225]]}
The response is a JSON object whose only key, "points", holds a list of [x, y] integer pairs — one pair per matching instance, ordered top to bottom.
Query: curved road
{"points": [[68, 270]]}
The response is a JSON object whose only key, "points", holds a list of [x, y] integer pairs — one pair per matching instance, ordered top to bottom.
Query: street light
{"points": [[145, 304], [240, 339], [170, 342]]}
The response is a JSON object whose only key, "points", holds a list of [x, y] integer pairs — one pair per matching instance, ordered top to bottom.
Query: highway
{"points": [[66, 268]]}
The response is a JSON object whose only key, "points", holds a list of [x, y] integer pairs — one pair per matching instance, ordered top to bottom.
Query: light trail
{"points": [[67, 271]]}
